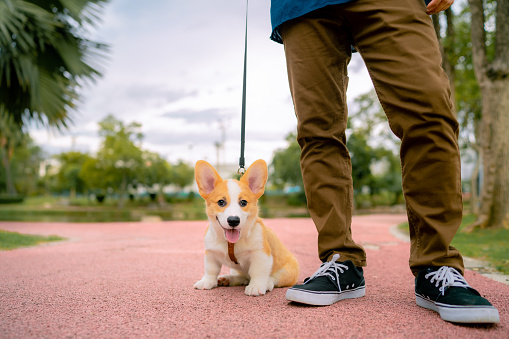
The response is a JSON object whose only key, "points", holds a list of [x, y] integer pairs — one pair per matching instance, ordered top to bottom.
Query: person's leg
{"points": [[398, 44], [317, 49]]}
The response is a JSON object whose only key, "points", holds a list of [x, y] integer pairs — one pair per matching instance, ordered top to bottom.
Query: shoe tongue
{"points": [[232, 235], [326, 282]]}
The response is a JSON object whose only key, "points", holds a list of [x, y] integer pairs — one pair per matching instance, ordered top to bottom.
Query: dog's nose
{"points": [[233, 221]]}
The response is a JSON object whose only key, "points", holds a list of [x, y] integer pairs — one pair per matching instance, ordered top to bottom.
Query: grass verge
{"points": [[12, 240], [487, 245]]}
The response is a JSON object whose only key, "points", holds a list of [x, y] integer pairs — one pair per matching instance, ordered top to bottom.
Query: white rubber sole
{"points": [[317, 298], [461, 314]]}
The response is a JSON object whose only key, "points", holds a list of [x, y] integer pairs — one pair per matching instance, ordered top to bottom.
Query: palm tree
{"points": [[45, 57], [10, 137]]}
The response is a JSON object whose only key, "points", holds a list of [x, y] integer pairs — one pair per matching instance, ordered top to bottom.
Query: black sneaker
{"points": [[334, 281], [444, 290]]}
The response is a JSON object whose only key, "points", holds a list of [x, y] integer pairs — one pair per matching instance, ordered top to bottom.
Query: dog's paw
{"points": [[232, 280], [223, 281], [205, 284], [270, 284], [256, 289]]}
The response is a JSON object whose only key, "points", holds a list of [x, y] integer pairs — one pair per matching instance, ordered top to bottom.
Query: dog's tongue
{"points": [[232, 235]]}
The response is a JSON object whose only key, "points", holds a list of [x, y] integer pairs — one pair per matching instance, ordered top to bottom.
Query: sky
{"points": [[176, 67]]}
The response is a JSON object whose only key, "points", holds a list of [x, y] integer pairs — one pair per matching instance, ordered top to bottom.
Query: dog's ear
{"points": [[206, 177], [256, 177]]}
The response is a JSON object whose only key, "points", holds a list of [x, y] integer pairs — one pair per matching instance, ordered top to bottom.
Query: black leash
{"points": [[243, 120]]}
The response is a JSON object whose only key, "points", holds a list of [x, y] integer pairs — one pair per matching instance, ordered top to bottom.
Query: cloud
{"points": [[356, 65], [176, 68], [148, 93], [206, 116], [177, 137]]}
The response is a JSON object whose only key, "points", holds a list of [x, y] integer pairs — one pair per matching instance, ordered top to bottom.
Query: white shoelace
{"points": [[330, 269], [448, 276]]}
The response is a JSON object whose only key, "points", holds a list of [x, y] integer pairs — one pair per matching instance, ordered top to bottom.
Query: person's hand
{"points": [[437, 6]]}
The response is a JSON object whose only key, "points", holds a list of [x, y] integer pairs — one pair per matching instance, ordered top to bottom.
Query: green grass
{"points": [[12, 240], [487, 245]]}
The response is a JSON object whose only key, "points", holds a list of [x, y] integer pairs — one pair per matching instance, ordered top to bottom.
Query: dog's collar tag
{"points": [[231, 252]]}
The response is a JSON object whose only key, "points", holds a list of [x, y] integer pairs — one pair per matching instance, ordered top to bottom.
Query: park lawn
{"points": [[12, 240], [487, 245]]}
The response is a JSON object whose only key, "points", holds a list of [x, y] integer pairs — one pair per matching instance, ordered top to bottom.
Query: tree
{"points": [[45, 58], [492, 73], [468, 99], [369, 119], [10, 138], [370, 143], [373, 149], [120, 153], [362, 156], [21, 159], [118, 162], [285, 165], [156, 172], [182, 174], [68, 177], [96, 177], [390, 180]]}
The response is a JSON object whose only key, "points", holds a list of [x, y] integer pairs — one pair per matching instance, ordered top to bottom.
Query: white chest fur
{"points": [[249, 244]]}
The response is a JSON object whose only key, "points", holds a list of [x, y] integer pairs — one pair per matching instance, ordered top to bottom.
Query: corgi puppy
{"points": [[236, 236]]}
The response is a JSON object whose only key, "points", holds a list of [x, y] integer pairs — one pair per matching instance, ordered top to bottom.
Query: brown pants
{"points": [[397, 41]]}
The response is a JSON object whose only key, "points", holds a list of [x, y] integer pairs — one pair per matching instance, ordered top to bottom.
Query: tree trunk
{"points": [[493, 79], [475, 180], [9, 184], [474, 185], [123, 189], [160, 196], [494, 212]]}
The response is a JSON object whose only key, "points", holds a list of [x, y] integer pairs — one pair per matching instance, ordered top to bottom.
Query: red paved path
{"points": [[134, 280]]}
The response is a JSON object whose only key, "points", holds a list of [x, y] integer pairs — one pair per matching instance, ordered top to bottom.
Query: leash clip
{"points": [[241, 171]]}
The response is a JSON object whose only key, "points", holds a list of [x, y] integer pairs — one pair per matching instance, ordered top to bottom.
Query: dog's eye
{"points": [[221, 203], [243, 203]]}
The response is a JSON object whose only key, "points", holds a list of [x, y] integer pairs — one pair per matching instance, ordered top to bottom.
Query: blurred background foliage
{"points": [[46, 57]]}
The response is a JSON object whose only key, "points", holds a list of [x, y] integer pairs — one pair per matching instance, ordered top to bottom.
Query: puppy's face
{"points": [[231, 204], [233, 207]]}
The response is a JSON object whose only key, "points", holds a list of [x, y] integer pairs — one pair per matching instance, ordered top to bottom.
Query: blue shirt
{"points": [[284, 10]]}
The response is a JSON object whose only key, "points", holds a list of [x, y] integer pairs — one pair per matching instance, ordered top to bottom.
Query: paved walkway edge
{"points": [[479, 266]]}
